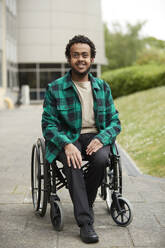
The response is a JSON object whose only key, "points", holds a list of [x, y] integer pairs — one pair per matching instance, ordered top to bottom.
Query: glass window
{"points": [[27, 66], [46, 66], [67, 66], [94, 66], [0, 68], [47, 77], [8, 78], [28, 78], [14, 79], [42, 94], [33, 95]]}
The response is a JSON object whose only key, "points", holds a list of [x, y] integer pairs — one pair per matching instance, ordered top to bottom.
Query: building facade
{"points": [[36, 36], [8, 50]]}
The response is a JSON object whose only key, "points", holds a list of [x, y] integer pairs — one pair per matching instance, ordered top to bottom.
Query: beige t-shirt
{"points": [[86, 98]]}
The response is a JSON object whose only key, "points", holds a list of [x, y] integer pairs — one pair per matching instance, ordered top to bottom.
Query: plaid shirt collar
{"points": [[68, 83]]}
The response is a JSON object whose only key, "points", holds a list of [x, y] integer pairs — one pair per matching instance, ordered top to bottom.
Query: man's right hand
{"points": [[73, 156]]}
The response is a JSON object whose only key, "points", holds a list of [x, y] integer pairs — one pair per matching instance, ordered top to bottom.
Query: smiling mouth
{"points": [[81, 66]]}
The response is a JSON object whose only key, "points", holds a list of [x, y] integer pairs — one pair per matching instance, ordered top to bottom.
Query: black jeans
{"points": [[83, 187]]}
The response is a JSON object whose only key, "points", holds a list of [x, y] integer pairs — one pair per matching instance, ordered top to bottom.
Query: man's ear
{"points": [[92, 60]]}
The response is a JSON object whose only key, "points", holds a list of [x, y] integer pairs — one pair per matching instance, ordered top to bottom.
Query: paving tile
{"points": [[154, 196], [11, 198], [148, 237], [28, 239]]}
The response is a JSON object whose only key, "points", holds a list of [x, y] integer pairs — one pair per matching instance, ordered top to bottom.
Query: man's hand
{"points": [[93, 146], [73, 155]]}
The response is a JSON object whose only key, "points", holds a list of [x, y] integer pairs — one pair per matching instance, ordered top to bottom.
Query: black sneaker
{"points": [[88, 234]]}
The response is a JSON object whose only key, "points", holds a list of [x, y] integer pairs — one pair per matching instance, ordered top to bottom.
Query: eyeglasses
{"points": [[77, 55]]}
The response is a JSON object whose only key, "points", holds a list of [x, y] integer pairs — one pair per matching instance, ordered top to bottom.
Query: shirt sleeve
{"points": [[50, 123], [113, 127]]}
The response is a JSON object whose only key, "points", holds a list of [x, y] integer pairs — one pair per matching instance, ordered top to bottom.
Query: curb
{"points": [[128, 163]]}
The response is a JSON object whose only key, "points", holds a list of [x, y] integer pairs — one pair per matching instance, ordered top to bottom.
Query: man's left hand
{"points": [[93, 146]]}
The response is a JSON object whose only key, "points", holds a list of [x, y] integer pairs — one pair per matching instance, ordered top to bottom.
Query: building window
{"points": [[27, 66], [50, 66], [0, 69], [38, 76], [47, 77], [28, 78], [33, 95]]}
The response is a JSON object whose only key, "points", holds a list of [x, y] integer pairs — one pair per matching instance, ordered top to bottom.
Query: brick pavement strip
{"points": [[20, 228]]}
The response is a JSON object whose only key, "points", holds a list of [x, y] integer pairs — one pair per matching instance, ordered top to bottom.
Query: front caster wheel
{"points": [[123, 213], [56, 215]]}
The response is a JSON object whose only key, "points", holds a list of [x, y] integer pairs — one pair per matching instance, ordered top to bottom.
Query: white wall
{"points": [[0, 24], [45, 27]]}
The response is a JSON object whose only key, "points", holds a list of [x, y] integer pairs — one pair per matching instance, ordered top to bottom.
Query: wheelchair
{"points": [[47, 179]]}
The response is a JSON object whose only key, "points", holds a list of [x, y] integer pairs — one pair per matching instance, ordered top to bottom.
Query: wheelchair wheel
{"points": [[35, 174], [39, 178], [114, 180], [109, 181], [103, 192], [122, 214], [56, 215]]}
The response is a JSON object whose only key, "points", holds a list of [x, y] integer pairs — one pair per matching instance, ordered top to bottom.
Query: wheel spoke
{"points": [[118, 215], [126, 216], [122, 219]]}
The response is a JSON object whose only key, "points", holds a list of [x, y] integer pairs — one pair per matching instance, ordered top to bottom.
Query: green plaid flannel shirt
{"points": [[62, 116]]}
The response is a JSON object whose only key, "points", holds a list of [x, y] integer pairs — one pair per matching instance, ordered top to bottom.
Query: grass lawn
{"points": [[143, 129]]}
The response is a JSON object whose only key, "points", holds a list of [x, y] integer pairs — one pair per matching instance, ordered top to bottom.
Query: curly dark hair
{"points": [[80, 39]]}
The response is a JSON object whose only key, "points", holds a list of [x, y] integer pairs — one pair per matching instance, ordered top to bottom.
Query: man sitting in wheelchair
{"points": [[80, 119]]}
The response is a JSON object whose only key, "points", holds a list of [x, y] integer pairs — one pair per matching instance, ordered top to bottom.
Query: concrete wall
{"points": [[0, 24], [45, 27], [8, 47]]}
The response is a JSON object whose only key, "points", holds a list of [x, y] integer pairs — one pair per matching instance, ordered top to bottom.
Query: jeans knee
{"points": [[100, 160]]}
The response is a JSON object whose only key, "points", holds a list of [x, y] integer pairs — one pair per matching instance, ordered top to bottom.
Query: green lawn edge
{"points": [[142, 116]]}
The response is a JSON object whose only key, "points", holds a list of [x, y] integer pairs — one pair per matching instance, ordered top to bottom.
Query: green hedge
{"points": [[135, 78]]}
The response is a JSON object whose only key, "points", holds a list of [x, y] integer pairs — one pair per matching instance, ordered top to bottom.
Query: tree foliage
{"points": [[156, 43], [122, 48], [153, 53]]}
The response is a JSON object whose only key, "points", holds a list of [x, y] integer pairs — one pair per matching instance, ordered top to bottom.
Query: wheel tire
{"points": [[44, 177], [35, 178], [39, 178], [110, 180], [104, 189], [102, 193], [56, 215], [125, 216]]}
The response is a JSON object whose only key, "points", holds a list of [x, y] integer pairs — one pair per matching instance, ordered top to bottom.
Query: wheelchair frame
{"points": [[47, 179]]}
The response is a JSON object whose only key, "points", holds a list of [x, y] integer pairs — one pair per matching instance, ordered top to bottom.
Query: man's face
{"points": [[80, 59]]}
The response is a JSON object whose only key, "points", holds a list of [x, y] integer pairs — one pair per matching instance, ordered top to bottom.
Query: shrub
{"points": [[151, 56], [135, 78]]}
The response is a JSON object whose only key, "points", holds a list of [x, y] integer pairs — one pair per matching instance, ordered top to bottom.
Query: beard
{"points": [[81, 74]]}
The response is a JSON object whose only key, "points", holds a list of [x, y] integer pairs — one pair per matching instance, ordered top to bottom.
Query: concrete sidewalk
{"points": [[20, 228]]}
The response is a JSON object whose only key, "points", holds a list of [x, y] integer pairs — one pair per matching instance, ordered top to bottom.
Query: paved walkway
{"points": [[20, 228]]}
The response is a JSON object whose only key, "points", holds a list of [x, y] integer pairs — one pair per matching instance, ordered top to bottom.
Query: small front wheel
{"points": [[123, 213], [56, 215]]}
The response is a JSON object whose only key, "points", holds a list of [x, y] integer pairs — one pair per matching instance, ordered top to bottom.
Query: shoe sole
{"points": [[88, 240]]}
